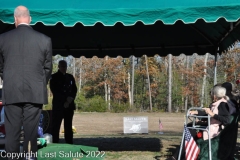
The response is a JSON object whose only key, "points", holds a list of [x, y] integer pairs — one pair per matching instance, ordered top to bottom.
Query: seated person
{"points": [[232, 101], [219, 113]]}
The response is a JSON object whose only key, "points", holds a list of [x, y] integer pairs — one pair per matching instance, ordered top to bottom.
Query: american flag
{"points": [[160, 125], [191, 147]]}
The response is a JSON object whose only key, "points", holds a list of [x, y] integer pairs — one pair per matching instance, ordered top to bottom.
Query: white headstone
{"points": [[135, 124]]}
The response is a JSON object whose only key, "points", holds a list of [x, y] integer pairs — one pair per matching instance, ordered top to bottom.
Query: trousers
{"points": [[20, 115], [57, 117]]}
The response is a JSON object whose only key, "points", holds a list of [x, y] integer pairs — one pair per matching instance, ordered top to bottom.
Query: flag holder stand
{"points": [[160, 127]]}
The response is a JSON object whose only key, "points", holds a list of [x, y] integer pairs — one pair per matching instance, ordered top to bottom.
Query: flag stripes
{"points": [[191, 148]]}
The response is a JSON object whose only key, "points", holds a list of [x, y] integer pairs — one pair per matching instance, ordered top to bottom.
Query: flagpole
{"points": [[188, 142], [181, 145], [180, 150]]}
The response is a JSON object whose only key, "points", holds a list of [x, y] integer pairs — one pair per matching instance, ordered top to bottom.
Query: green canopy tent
{"points": [[131, 27]]}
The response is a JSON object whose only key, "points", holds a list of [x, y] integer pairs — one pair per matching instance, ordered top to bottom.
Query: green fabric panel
{"points": [[114, 4], [128, 12], [195, 36], [222, 146], [69, 152]]}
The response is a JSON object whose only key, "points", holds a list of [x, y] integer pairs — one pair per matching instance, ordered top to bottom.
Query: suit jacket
{"points": [[25, 65], [62, 86]]}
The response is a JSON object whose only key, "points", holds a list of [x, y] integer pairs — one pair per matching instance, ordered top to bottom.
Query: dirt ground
{"points": [[105, 131]]}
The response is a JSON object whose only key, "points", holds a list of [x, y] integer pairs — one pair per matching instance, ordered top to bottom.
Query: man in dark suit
{"points": [[25, 67], [64, 91]]}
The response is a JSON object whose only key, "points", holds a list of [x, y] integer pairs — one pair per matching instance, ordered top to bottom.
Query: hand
{"points": [[69, 99], [66, 104], [193, 112], [209, 112]]}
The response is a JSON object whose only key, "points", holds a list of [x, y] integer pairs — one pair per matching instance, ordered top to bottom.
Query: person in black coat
{"points": [[25, 67], [64, 91], [233, 100]]}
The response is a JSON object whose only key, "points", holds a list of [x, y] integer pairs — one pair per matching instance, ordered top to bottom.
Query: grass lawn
{"points": [[105, 131]]}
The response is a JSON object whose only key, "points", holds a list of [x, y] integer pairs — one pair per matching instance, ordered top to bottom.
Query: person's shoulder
{"points": [[5, 33], [8, 33], [41, 35], [7, 36], [54, 75], [70, 75], [234, 101], [223, 104]]}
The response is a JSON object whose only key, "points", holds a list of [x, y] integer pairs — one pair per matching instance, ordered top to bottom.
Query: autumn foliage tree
{"points": [[108, 80]]}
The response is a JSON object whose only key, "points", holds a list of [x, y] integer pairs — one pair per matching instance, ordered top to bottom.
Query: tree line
{"points": [[171, 83]]}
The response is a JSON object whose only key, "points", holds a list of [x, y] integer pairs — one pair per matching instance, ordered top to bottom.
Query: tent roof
{"points": [[128, 12], [127, 27]]}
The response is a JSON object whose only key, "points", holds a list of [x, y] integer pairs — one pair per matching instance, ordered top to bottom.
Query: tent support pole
{"points": [[232, 27], [205, 36], [215, 68]]}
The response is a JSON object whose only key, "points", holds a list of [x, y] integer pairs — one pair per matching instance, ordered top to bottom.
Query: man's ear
{"points": [[30, 19], [15, 20]]}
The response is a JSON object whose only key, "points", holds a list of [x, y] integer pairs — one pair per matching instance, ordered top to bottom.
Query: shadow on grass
{"points": [[121, 144], [171, 149], [169, 153]]}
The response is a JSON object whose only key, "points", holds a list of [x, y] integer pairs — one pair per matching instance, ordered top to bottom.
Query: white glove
{"points": [[69, 99], [66, 104]]}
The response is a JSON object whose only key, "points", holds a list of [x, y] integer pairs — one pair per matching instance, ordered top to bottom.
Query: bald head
{"points": [[21, 15], [62, 66]]}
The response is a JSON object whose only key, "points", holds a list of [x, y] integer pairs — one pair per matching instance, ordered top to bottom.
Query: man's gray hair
{"points": [[21, 13]]}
